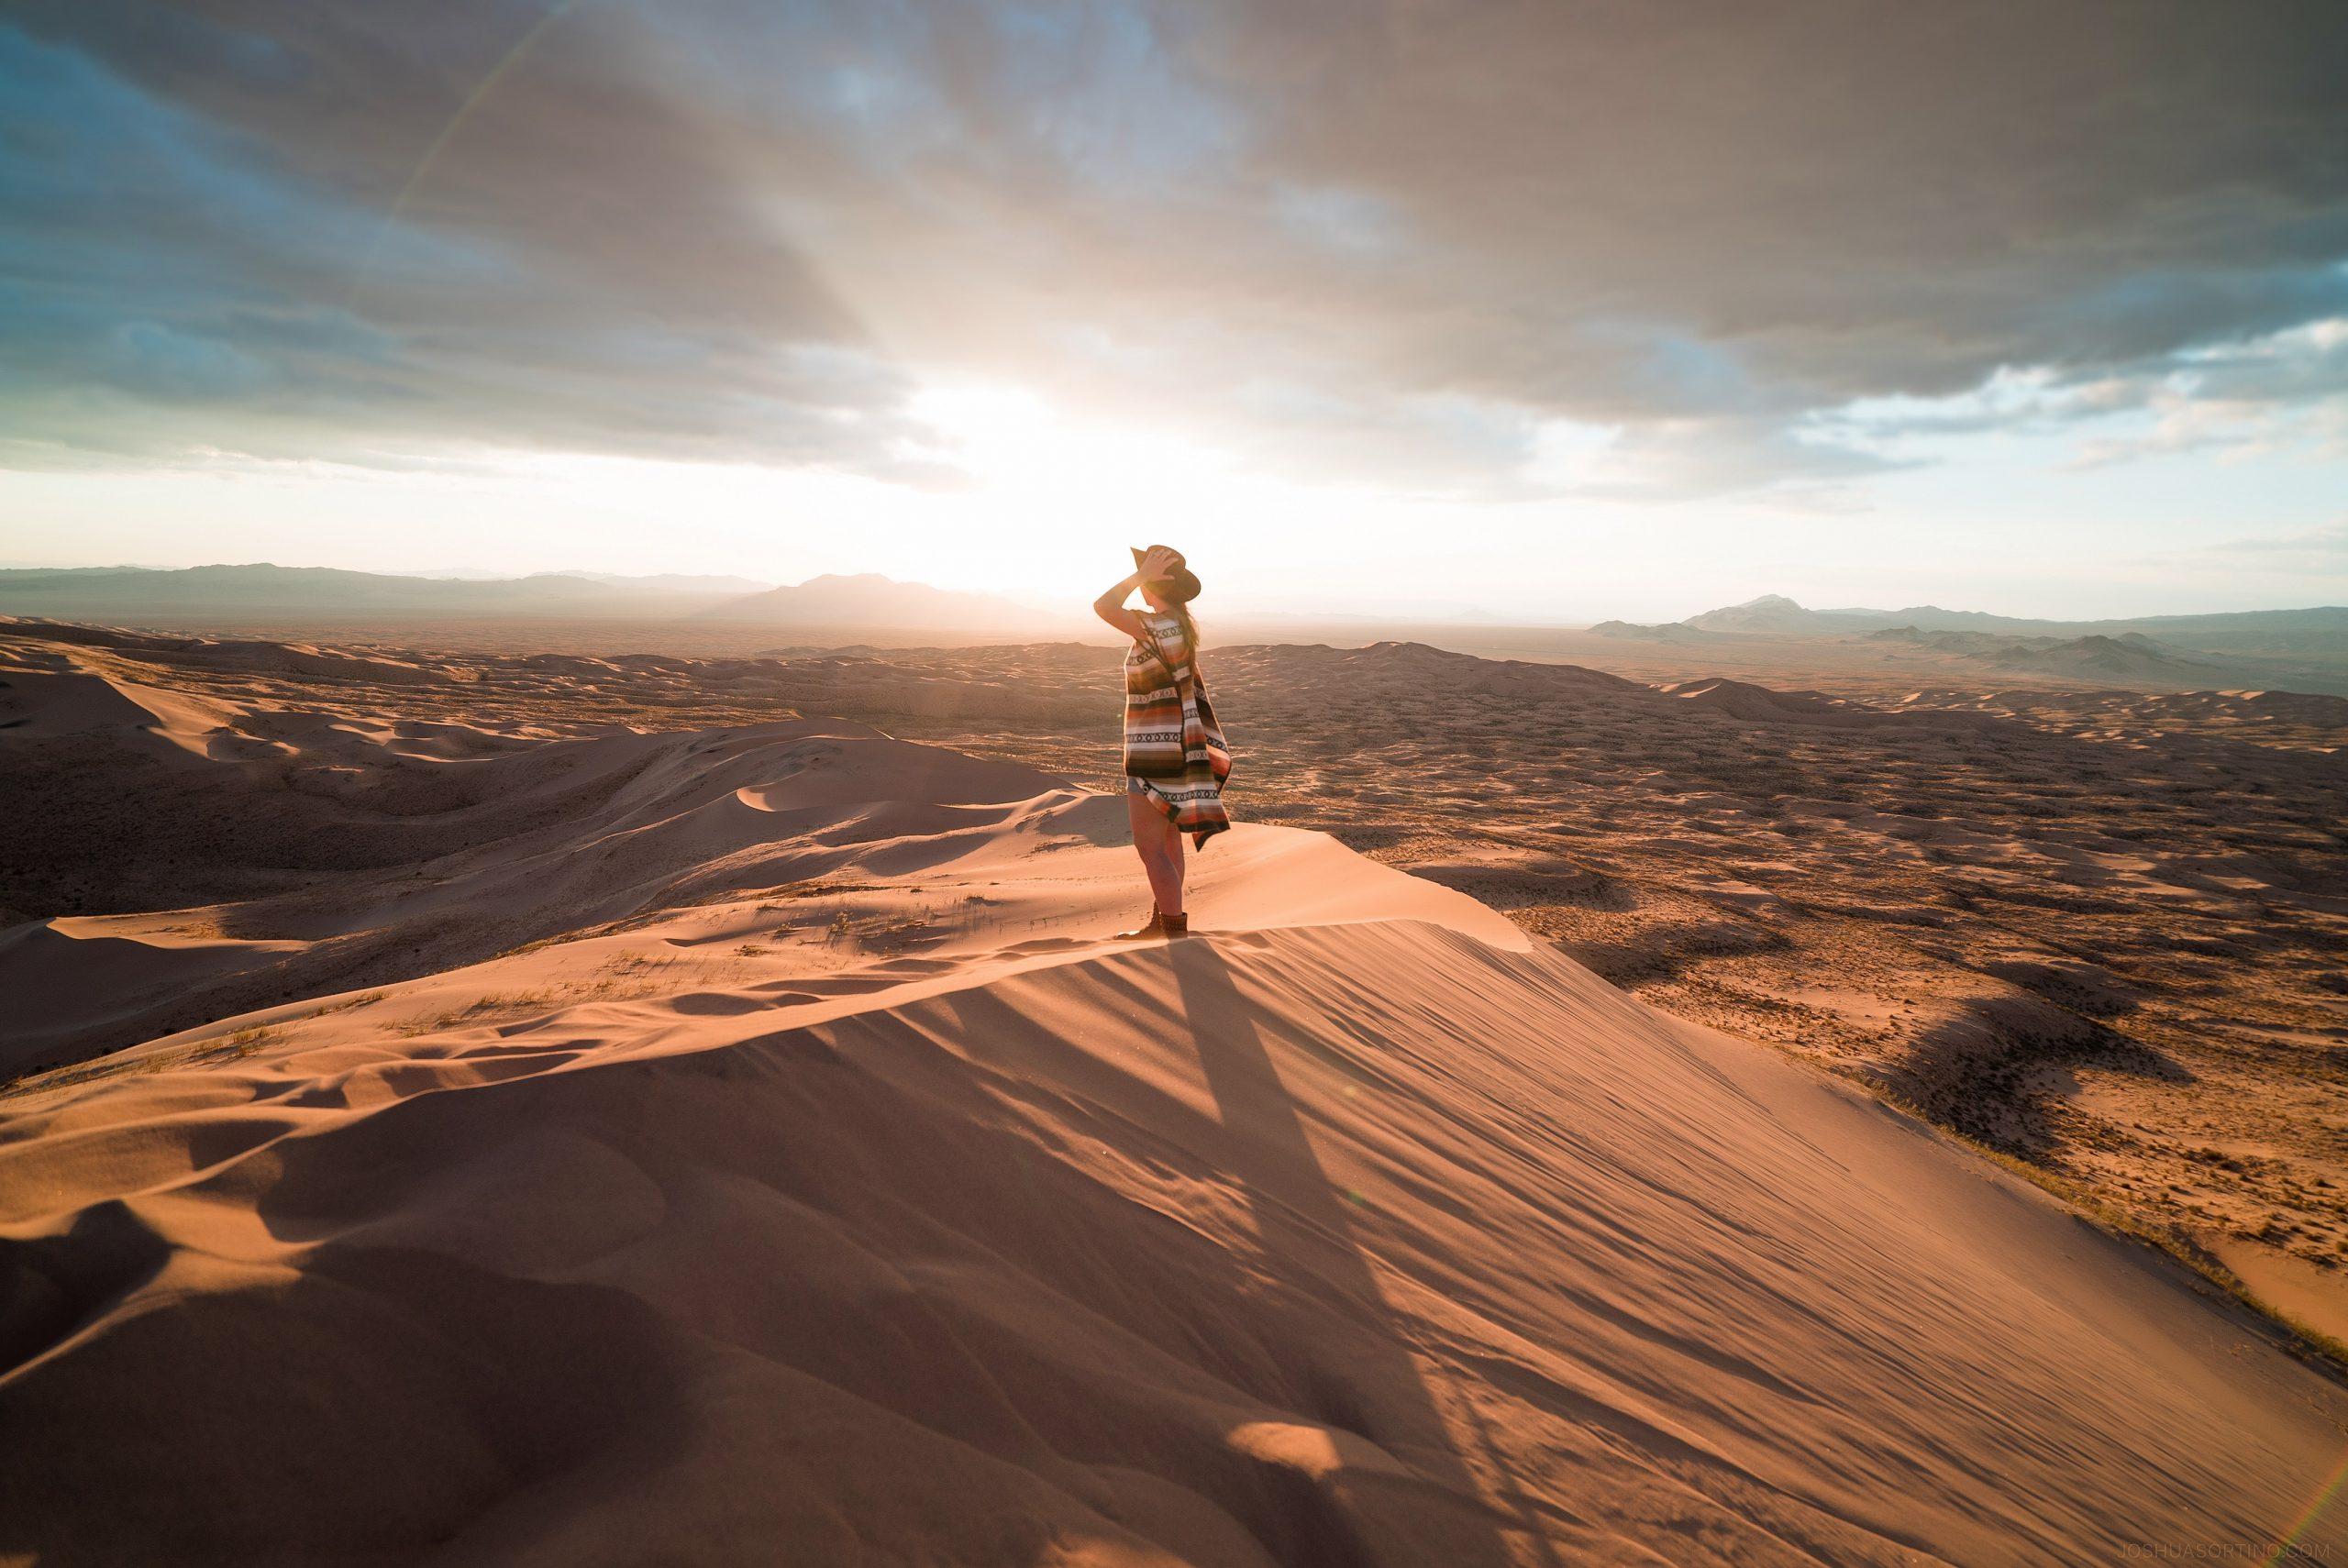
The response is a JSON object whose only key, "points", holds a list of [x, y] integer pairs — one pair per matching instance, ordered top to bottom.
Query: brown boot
{"points": [[1156, 927]]}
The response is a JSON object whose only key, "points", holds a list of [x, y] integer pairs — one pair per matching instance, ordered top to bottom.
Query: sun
{"points": [[1018, 447]]}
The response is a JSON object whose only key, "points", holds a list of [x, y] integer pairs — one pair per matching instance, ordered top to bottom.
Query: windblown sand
{"points": [[575, 1110]]}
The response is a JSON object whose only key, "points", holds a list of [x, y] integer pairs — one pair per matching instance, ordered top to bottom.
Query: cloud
{"points": [[1399, 244], [555, 294], [2286, 392], [2283, 393], [2324, 548]]}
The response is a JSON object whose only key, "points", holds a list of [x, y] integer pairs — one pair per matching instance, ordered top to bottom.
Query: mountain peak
{"points": [[1771, 614]]}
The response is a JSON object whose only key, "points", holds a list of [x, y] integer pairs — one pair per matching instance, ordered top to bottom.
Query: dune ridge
{"points": [[890, 1211]]}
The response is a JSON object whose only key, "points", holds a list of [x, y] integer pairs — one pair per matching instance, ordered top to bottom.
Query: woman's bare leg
{"points": [[1159, 845], [1174, 870]]}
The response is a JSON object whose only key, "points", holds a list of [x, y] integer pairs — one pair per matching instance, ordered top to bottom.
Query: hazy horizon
{"points": [[1563, 315], [1402, 611]]}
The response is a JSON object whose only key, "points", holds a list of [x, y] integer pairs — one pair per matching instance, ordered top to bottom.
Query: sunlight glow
{"points": [[1023, 452]]}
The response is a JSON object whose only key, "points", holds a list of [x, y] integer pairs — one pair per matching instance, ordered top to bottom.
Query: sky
{"points": [[1544, 309]]}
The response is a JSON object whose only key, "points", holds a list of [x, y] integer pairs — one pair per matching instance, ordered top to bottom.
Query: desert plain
{"points": [[581, 1094]]}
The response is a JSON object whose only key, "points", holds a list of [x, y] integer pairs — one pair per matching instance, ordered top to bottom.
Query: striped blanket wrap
{"points": [[1173, 745]]}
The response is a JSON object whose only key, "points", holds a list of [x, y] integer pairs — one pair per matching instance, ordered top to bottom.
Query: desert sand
{"points": [[574, 1109]]}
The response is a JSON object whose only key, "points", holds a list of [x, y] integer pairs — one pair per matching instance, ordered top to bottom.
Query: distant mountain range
{"points": [[662, 581], [674, 582], [264, 588], [196, 595], [867, 599], [2318, 630], [1665, 632], [2276, 647], [2300, 650], [2129, 656]]}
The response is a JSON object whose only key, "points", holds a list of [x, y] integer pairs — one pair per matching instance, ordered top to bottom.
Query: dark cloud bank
{"points": [[1374, 243]]}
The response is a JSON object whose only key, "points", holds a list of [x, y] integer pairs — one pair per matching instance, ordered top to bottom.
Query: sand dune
{"points": [[424, 856], [2101, 931], [850, 1198]]}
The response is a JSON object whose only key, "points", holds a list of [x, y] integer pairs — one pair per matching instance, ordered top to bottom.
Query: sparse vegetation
{"points": [[366, 999], [491, 1004], [206, 1052]]}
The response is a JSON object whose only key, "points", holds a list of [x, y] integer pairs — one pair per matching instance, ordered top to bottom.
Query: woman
{"points": [[1175, 760]]}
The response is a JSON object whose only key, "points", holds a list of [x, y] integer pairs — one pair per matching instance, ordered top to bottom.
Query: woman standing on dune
{"points": [[1175, 760]]}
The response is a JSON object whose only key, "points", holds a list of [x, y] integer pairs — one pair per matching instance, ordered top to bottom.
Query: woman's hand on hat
{"points": [[1160, 562]]}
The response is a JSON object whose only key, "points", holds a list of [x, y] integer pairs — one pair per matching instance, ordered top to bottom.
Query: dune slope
{"points": [[378, 850], [909, 1220]]}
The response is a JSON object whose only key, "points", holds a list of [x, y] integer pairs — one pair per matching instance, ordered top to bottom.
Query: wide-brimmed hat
{"points": [[1182, 586]]}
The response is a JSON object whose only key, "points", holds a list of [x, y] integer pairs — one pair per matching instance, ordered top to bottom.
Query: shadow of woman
{"points": [[1405, 1488]]}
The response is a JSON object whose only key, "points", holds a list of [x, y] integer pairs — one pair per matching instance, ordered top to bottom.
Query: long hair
{"points": [[1190, 633]]}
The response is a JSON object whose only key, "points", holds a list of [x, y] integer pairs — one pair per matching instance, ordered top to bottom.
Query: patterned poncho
{"points": [[1173, 745]]}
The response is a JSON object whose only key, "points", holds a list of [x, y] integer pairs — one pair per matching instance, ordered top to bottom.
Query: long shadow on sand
{"points": [[1371, 1384]]}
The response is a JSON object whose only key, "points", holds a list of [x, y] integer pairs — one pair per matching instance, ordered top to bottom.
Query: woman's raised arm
{"points": [[1111, 606]]}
